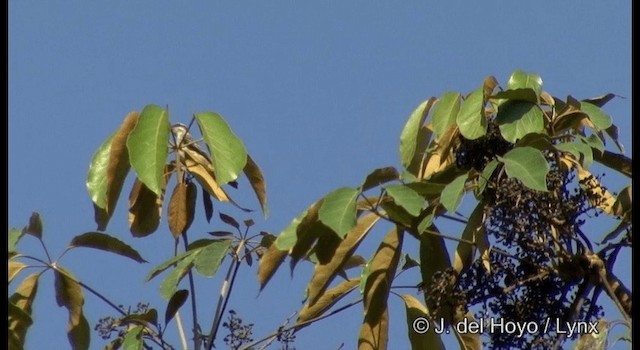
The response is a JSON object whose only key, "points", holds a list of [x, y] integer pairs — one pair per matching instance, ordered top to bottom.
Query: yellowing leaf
{"points": [[206, 178], [256, 179], [604, 201], [181, 208], [145, 209], [473, 231], [269, 263], [14, 269], [325, 273], [69, 294], [327, 300], [416, 313], [20, 317], [375, 327]]}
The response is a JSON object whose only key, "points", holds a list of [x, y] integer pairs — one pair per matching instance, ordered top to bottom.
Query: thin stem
{"points": [[46, 251], [225, 291], [194, 309], [302, 324], [183, 337]]}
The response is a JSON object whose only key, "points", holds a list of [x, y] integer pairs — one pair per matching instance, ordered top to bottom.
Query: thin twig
{"points": [[194, 309]]}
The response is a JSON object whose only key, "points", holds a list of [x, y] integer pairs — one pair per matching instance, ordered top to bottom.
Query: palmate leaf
{"points": [[148, 147], [228, 153]]}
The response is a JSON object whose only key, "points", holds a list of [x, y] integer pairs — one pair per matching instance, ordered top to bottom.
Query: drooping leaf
{"points": [[522, 80], [600, 100], [446, 111], [519, 118], [599, 118], [471, 120], [612, 131], [411, 140], [536, 140], [593, 141], [148, 147], [228, 153], [439, 156], [615, 161], [528, 165], [118, 166], [204, 175], [379, 177], [256, 179], [97, 182], [452, 193], [406, 197], [207, 204], [622, 206], [145, 208], [338, 210], [397, 214], [181, 215], [34, 227], [308, 232], [473, 232], [14, 236], [289, 236], [105, 242], [433, 254], [210, 257], [408, 262], [269, 263], [383, 265], [14, 268], [325, 272], [169, 285], [69, 294], [327, 300], [175, 302], [20, 308], [416, 312], [150, 317], [133, 339], [468, 340]]}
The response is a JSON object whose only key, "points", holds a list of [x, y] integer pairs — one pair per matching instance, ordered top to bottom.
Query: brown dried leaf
{"points": [[118, 165], [206, 178], [256, 179], [182, 208], [145, 209], [269, 263], [327, 300]]}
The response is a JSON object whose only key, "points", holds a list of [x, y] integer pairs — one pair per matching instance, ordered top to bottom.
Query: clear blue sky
{"points": [[318, 92]]}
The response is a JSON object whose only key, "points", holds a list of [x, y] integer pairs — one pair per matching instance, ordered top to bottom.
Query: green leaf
{"points": [[522, 80], [524, 94], [600, 100], [446, 111], [519, 118], [599, 118], [471, 120], [410, 138], [537, 141], [593, 141], [147, 145], [227, 150], [581, 151], [528, 165], [97, 175], [380, 176], [484, 178], [452, 193], [406, 197], [338, 210], [34, 227], [473, 232], [14, 236], [289, 236], [108, 243], [210, 257], [165, 265], [170, 283], [177, 300], [416, 312], [133, 339]]}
